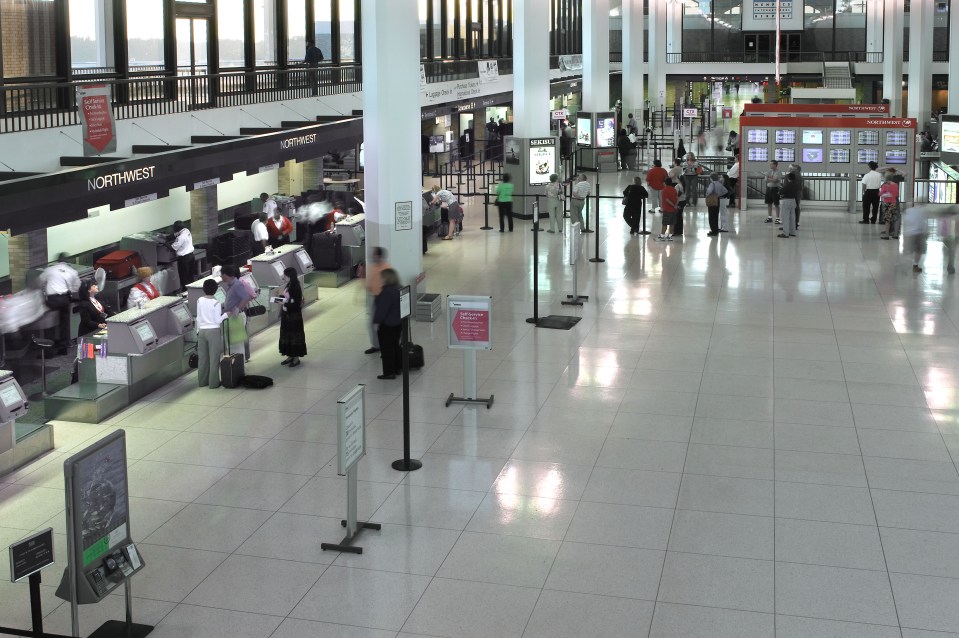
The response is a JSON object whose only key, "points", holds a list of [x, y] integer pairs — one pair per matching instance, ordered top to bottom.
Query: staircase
{"points": [[836, 75]]}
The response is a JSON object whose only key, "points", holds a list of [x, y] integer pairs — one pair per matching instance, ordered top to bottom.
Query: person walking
{"points": [[312, 58], [626, 150], [796, 170], [691, 172], [733, 176], [656, 180], [773, 182], [870, 183], [581, 191], [714, 193], [787, 196], [634, 199], [504, 202], [554, 203], [680, 205], [889, 206], [949, 232], [374, 284], [238, 296], [389, 324], [292, 335], [209, 336]]}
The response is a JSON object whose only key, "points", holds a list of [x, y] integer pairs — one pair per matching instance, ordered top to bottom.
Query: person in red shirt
{"points": [[656, 180], [670, 206], [278, 228]]}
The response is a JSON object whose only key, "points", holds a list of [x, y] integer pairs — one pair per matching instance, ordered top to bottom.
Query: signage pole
{"points": [[575, 249], [597, 259], [406, 464], [36, 613]]}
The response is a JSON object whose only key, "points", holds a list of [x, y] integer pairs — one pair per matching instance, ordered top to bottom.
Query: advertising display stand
{"points": [[575, 245], [469, 330], [351, 447], [406, 464], [101, 554]]}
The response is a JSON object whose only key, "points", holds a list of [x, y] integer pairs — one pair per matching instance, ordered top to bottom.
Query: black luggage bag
{"points": [[327, 251], [417, 360], [231, 365]]}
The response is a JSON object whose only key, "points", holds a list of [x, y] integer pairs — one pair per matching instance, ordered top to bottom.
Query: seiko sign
{"points": [[292, 142], [118, 179]]}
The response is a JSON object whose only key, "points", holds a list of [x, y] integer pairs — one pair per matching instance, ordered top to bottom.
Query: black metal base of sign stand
{"points": [[574, 300], [558, 322], [454, 399], [407, 465], [345, 544], [121, 629]]}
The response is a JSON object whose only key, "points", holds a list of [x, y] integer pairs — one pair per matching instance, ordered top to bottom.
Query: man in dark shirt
{"points": [[312, 59]]}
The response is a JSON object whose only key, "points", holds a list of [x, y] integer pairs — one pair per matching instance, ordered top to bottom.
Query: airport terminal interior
{"points": [[739, 435]]}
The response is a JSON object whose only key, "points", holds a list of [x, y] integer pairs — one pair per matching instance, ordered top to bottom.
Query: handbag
{"points": [[712, 200], [255, 309], [235, 330], [194, 360]]}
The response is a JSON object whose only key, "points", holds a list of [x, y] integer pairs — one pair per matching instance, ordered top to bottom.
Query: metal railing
{"points": [[770, 57], [815, 188]]}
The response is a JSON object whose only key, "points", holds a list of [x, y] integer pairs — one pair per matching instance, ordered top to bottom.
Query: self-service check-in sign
{"points": [[469, 319]]}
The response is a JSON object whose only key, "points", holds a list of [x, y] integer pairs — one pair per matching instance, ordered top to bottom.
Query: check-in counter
{"points": [[352, 229], [153, 247], [268, 268], [254, 324], [19, 443]]}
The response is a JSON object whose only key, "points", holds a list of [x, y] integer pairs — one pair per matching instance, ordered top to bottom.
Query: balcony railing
{"points": [[744, 57]]}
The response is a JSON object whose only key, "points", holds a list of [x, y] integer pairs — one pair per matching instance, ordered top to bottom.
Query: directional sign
{"points": [[727, 112], [469, 322]]}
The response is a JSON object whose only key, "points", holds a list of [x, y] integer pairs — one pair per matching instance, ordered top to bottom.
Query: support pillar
{"points": [[921, 14], [874, 20], [657, 53], [892, 55], [596, 56], [634, 69], [391, 133], [312, 174], [289, 178], [204, 221], [26, 251]]}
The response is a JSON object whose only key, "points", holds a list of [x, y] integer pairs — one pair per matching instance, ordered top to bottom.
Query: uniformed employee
{"points": [[183, 247], [60, 282]]}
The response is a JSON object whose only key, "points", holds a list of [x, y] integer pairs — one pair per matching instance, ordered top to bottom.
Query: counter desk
{"points": [[268, 270], [254, 324], [146, 348]]}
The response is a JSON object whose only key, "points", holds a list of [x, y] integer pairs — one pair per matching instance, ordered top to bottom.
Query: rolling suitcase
{"points": [[327, 252], [119, 264], [416, 357], [231, 365]]}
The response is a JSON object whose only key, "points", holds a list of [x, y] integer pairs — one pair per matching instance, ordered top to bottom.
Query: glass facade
{"points": [[347, 20], [230, 24], [323, 26], [264, 29], [296, 30], [145, 33], [91, 35], [29, 45]]}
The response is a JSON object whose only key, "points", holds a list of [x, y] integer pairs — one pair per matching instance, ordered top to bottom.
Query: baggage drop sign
{"points": [[469, 322]]}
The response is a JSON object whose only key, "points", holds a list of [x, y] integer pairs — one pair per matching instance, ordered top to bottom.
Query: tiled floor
{"points": [[744, 436]]}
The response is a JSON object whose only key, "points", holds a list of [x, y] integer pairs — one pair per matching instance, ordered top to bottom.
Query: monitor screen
{"points": [[584, 131], [606, 132], [949, 132], [757, 136], [812, 136], [785, 137], [840, 137], [868, 137], [896, 138], [437, 144], [758, 154], [787, 154], [839, 155], [866, 155], [812, 156], [895, 157], [306, 264], [278, 269], [182, 314], [145, 332], [10, 395], [102, 505]]}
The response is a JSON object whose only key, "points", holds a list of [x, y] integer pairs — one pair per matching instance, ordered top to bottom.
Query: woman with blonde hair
{"points": [[144, 290]]}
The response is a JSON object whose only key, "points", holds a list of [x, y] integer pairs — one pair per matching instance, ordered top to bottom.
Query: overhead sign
{"points": [[765, 15], [488, 71], [811, 109], [690, 112], [560, 114], [96, 119], [542, 160], [469, 322], [351, 431], [30, 555]]}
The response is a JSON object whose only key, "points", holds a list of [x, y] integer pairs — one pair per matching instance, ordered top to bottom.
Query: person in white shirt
{"points": [[733, 175], [871, 182], [581, 191], [269, 204], [915, 232], [261, 237], [183, 247], [60, 282], [144, 290], [209, 346]]}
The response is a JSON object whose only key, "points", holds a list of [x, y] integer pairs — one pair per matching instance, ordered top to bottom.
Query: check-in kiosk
{"points": [[268, 270], [20, 443]]}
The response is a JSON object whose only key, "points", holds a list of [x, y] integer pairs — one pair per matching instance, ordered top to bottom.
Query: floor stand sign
{"points": [[575, 241], [469, 330], [351, 447], [406, 464], [101, 555], [27, 558]]}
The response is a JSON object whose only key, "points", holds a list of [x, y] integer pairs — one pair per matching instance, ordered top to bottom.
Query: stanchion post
{"points": [[486, 225], [536, 227], [644, 231], [597, 259], [535, 318], [406, 464]]}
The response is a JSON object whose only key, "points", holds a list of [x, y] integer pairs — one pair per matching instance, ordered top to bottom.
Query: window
{"points": [[819, 20], [851, 25], [229, 26], [323, 26], [424, 27], [697, 27], [347, 28], [437, 28], [264, 29], [296, 29], [145, 34], [91, 35], [29, 47]]}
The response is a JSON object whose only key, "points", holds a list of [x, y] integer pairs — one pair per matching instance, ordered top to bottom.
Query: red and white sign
{"points": [[814, 109], [690, 112], [727, 112], [96, 118], [827, 122], [469, 322]]}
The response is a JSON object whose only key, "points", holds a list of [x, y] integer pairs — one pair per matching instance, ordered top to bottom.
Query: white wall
{"points": [[242, 188]]}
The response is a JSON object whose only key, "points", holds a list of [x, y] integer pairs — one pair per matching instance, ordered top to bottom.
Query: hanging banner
{"points": [[571, 62], [488, 71], [96, 118]]}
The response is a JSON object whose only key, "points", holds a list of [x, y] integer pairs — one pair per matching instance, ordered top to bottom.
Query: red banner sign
{"points": [[96, 117]]}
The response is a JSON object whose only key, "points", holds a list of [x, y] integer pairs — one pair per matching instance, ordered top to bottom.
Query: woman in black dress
{"points": [[93, 312], [292, 336]]}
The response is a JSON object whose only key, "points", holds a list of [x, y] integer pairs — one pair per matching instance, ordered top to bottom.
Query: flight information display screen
{"points": [[757, 136], [812, 136], [785, 137], [840, 137], [868, 137], [896, 138], [758, 154], [785, 155], [839, 155], [866, 155], [812, 156], [895, 157]]}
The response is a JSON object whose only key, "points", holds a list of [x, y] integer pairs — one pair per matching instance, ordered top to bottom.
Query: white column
{"points": [[874, 11], [674, 27], [657, 52], [596, 55], [892, 55], [920, 61], [530, 68], [634, 69], [953, 105], [391, 130]]}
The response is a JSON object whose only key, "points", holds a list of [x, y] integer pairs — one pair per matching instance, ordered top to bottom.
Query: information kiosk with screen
{"points": [[303, 262], [179, 319], [13, 402]]}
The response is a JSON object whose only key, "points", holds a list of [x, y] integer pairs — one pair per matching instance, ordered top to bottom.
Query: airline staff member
{"points": [[279, 228], [260, 237], [183, 247], [60, 281], [144, 290]]}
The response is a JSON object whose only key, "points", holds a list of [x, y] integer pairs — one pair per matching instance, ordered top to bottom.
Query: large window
{"points": [[819, 22], [229, 25], [851, 25], [323, 26], [697, 27], [264, 29], [296, 29], [347, 30], [145, 33], [91, 34], [29, 48]]}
